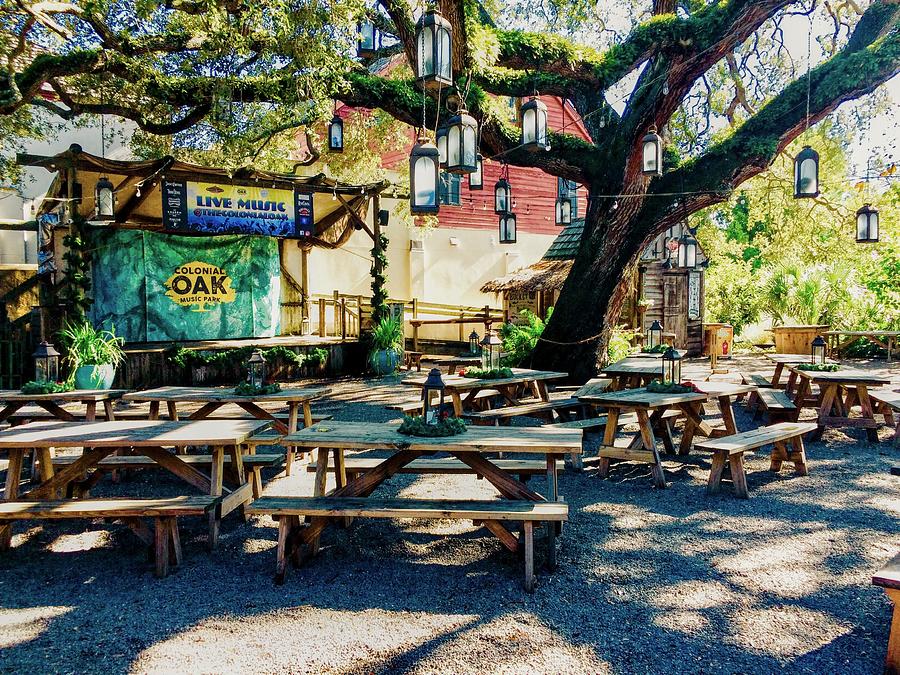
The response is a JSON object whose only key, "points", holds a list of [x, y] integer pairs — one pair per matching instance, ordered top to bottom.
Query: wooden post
{"points": [[304, 281], [336, 299], [462, 316], [321, 317], [344, 318], [415, 328]]}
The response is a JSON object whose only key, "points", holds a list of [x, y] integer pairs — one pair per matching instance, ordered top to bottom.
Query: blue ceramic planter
{"points": [[95, 377]]}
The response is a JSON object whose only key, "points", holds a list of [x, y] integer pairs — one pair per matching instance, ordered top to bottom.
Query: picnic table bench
{"points": [[15, 400], [777, 403], [887, 403], [563, 408], [730, 450], [523, 468], [888, 578]]}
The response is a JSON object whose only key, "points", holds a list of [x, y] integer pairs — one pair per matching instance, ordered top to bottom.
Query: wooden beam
{"points": [[137, 199]]}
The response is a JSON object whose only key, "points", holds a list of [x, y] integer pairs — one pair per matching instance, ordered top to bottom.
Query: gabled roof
{"points": [[565, 246]]}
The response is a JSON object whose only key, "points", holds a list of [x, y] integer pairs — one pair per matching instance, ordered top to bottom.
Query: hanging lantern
{"points": [[369, 38], [434, 47], [534, 125], [336, 134], [441, 140], [462, 150], [651, 156], [806, 174], [423, 177], [476, 178], [502, 197], [103, 199], [563, 211], [867, 225], [508, 228], [687, 250], [654, 335], [473, 343], [490, 351], [817, 351], [46, 363], [256, 365], [671, 366], [433, 385]]}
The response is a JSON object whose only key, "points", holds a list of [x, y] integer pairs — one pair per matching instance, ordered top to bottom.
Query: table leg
{"points": [[776, 377], [542, 390], [829, 393], [800, 399], [457, 404], [865, 404], [10, 410], [108, 410], [154, 410], [173, 410], [57, 411], [90, 411], [727, 415], [692, 424], [292, 427], [609, 438], [237, 468], [13, 477], [659, 478], [215, 490], [552, 495]]}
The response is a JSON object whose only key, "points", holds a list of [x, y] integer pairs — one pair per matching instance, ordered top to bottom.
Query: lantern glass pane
{"points": [[367, 36], [426, 52], [444, 65], [528, 125], [541, 128], [337, 135], [452, 143], [442, 148], [469, 149], [650, 158], [476, 179], [807, 182], [425, 184], [501, 199], [105, 202], [566, 211], [862, 226], [873, 226], [690, 255], [40, 370]]}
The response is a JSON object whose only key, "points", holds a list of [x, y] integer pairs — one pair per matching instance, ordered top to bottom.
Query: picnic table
{"points": [[839, 340], [782, 361], [452, 363], [633, 371], [463, 391], [840, 391], [724, 394], [14, 400], [650, 409], [148, 438], [472, 448]]}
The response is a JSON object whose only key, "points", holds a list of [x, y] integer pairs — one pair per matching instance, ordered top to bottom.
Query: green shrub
{"points": [[519, 340], [619, 344], [86, 345]]}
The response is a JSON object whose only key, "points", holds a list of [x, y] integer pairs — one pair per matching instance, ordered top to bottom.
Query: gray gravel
{"points": [[648, 580]]}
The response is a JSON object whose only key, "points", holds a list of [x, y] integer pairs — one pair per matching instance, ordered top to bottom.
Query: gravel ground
{"points": [[648, 580]]}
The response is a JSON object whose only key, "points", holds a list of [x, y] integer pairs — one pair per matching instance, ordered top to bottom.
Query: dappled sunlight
{"points": [[82, 541], [694, 595], [684, 622], [18, 626], [779, 631]]}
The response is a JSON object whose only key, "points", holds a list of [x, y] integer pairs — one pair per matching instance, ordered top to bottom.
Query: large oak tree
{"points": [[184, 66]]}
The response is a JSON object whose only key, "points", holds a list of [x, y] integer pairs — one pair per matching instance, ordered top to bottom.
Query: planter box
{"points": [[796, 339]]}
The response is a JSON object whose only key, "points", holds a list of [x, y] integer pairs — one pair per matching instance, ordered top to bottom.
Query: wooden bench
{"points": [[411, 359], [759, 381], [777, 403], [887, 403], [414, 407], [540, 409], [25, 417], [730, 450], [523, 468], [289, 510], [164, 512], [889, 579]]}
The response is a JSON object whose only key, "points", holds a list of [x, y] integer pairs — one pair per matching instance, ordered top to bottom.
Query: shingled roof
{"points": [[565, 246]]}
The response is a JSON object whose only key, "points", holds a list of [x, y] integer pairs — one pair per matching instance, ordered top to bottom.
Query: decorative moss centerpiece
{"points": [[658, 349], [819, 367], [482, 374], [46, 387], [657, 387], [247, 389], [446, 426]]}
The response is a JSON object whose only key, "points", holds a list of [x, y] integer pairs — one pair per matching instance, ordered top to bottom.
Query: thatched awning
{"points": [[544, 275]]}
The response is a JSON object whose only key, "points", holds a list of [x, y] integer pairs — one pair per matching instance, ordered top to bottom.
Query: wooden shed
{"points": [[658, 291]]}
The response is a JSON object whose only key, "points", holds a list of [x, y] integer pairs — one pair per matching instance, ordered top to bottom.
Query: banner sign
{"points": [[209, 208], [198, 284]]}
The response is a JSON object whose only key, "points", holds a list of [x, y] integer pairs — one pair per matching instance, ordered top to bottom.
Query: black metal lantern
{"points": [[369, 38], [434, 48], [534, 125], [336, 134], [441, 140], [462, 143], [651, 154], [424, 170], [806, 174], [476, 178], [502, 197], [104, 200], [563, 211], [508, 228], [867, 231], [687, 250], [654, 335], [473, 343], [490, 351], [817, 351], [46, 363], [671, 366], [257, 367], [434, 384]]}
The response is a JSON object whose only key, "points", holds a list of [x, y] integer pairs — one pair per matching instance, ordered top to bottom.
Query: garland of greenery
{"points": [[76, 279], [380, 308], [658, 349], [192, 358], [819, 367], [492, 374], [34, 387], [657, 387], [247, 389], [416, 426]]}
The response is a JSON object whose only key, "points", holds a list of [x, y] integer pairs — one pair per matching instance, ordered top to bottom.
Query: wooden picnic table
{"points": [[839, 340], [782, 361], [452, 363], [633, 371], [464, 390], [723, 393], [839, 393], [14, 400], [649, 408], [150, 438], [470, 448]]}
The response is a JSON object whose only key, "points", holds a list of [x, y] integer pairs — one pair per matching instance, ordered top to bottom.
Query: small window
{"points": [[513, 108], [450, 188], [568, 189]]}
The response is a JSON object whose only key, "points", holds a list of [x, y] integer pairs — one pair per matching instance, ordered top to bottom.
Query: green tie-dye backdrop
{"points": [[160, 287]]}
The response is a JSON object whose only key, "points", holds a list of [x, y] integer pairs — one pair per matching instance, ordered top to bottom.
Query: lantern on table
{"points": [[654, 335], [473, 343], [490, 351], [818, 351], [46, 363], [671, 366], [257, 367], [434, 384]]}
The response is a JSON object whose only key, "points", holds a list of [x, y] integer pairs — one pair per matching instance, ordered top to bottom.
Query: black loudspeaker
{"points": [[383, 217]]}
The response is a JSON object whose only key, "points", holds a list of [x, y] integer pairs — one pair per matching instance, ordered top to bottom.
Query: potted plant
{"points": [[387, 346], [92, 354]]}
